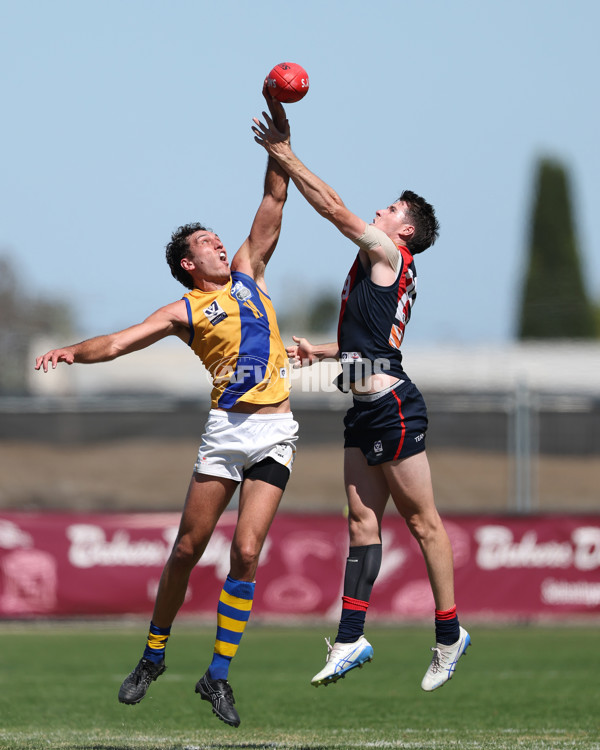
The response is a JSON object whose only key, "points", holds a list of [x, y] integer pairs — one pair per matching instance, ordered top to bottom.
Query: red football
{"points": [[288, 82]]}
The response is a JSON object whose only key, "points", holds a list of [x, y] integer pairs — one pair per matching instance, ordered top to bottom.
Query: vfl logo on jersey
{"points": [[244, 295], [215, 313], [350, 357]]}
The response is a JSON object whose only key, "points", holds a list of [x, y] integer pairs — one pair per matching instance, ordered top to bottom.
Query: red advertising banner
{"points": [[96, 564]]}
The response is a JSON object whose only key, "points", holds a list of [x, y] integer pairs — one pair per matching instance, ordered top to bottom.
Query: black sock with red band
{"points": [[362, 567], [446, 626]]}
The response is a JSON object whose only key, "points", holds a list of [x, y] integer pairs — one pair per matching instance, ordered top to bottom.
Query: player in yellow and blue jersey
{"points": [[228, 320]]}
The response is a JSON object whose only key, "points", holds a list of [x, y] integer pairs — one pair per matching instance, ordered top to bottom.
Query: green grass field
{"points": [[517, 687]]}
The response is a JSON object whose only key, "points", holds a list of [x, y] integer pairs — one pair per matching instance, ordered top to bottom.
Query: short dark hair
{"points": [[422, 215], [178, 248]]}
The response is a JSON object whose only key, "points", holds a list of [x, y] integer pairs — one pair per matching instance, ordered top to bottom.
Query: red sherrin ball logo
{"points": [[288, 82]]}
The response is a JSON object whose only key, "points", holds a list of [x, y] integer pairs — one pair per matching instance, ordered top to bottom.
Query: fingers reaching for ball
{"points": [[276, 109], [268, 135]]}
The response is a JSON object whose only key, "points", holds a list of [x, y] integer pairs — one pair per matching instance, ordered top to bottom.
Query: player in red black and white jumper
{"points": [[384, 446]]}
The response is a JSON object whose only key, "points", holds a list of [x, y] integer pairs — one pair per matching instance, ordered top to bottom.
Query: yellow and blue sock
{"points": [[233, 612], [156, 643]]}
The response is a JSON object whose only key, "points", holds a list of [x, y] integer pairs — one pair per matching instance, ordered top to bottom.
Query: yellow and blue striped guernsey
{"points": [[234, 332]]}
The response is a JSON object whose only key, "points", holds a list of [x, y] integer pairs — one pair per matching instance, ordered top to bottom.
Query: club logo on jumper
{"points": [[241, 292], [244, 295], [215, 313], [350, 357], [378, 446]]}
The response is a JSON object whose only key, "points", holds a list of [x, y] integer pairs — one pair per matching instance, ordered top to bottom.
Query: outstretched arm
{"points": [[321, 196], [256, 251], [167, 321], [303, 353]]}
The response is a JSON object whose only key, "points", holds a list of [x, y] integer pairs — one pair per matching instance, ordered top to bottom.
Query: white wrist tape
{"points": [[373, 238]]}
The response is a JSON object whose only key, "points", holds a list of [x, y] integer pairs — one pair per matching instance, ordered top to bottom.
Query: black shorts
{"points": [[389, 428]]}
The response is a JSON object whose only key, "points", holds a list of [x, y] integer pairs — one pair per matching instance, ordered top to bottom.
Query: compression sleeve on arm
{"points": [[372, 238]]}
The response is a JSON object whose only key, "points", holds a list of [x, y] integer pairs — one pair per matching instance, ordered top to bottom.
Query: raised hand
{"points": [[276, 109]]}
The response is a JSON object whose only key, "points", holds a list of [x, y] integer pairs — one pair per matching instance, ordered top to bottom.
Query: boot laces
{"points": [[436, 661]]}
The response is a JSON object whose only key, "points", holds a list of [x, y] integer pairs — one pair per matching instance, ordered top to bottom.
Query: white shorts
{"points": [[233, 441]]}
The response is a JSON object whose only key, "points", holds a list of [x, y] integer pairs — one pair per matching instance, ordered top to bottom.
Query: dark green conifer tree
{"points": [[555, 304]]}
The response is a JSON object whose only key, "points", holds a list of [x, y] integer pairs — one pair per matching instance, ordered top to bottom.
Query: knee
{"points": [[424, 526], [363, 530], [185, 553], [244, 559]]}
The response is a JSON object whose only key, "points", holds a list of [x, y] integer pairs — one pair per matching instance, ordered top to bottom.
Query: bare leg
{"points": [[409, 481], [367, 494], [206, 500], [258, 504]]}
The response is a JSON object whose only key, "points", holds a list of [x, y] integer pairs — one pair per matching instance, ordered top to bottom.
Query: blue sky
{"points": [[123, 119]]}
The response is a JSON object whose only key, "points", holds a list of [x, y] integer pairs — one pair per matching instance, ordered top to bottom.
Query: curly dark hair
{"points": [[422, 215], [178, 248]]}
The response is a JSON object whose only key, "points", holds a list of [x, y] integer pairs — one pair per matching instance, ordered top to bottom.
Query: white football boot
{"points": [[341, 658], [444, 662]]}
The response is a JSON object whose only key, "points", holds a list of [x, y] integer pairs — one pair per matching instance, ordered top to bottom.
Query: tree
{"points": [[554, 304], [23, 316]]}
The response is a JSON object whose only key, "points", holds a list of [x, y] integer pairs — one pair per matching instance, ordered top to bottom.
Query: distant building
{"points": [[169, 368]]}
